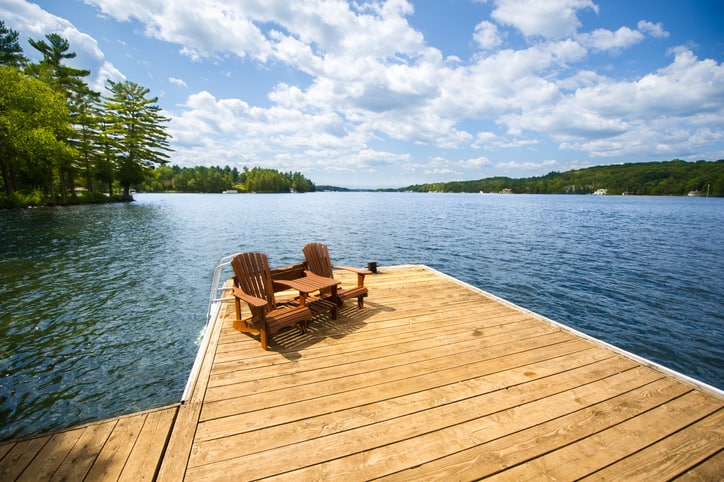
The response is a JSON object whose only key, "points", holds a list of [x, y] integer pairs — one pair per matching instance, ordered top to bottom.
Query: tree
{"points": [[11, 53], [51, 67], [80, 98], [86, 117], [33, 124], [136, 132]]}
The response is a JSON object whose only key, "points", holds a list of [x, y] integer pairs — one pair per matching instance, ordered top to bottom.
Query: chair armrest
{"points": [[354, 270], [361, 272], [252, 300]]}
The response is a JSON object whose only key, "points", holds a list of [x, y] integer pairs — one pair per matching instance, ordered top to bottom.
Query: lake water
{"points": [[101, 306]]}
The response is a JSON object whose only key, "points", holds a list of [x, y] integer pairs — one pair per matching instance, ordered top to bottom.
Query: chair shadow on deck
{"points": [[291, 343]]}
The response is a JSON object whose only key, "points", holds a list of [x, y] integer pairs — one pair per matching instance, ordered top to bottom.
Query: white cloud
{"points": [[549, 19], [34, 22], [278, 29], [654, 29], [486, 35], [606, 40], [366, 62], [106, 72], [373, 76], [582, 78], [510, 80], [370, 81], [178, 82], [421, 100], [660, 112], [277, 137], [477, 162], [528, 166], [440, 172]]}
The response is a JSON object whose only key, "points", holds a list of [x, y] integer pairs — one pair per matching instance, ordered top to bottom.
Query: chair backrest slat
{"points": [[317, 256], [253, 276]]}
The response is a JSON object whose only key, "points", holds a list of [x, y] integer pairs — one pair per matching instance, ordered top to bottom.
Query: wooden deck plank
{"points": [[426, 326], [380, 338], [387, 345], [329, 368], [453, 374], [433, 379], [334, 390], [350, 405], [387, 409], [296, 410], [495, 415], [149, 446], [517, 447], [607, 447], [4, 449], [675, 453], [52, 455], [20, 456], [112, 457], [175, 458], [80, 460], [710, 469]]}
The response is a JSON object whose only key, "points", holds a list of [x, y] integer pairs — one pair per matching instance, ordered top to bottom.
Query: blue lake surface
{"points": [[101, 307]]}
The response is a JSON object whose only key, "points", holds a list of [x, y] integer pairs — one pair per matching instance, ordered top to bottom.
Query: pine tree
{"points": [[11, 53], [68, 81], [135, 131]]}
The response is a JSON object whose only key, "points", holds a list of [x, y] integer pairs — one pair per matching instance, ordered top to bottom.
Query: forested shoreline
{"points": [[669, 178], [217, 179]]}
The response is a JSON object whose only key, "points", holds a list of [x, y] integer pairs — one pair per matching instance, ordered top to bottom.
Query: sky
{"points": [[376, 94]]}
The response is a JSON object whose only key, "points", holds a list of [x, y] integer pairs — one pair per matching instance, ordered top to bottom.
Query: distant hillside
{"points": [[674, 177]]}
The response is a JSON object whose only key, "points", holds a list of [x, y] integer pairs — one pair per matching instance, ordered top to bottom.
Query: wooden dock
{"points": [[432, 380]]}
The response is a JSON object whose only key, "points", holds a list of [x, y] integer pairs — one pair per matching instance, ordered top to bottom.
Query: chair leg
{"points": [[360, 302], [264, 340]]}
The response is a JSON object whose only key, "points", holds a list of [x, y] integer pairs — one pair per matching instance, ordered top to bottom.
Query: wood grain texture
{"points": [[431, 380]]}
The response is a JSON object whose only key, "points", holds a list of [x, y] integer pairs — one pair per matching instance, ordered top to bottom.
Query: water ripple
{"points": [[101, 306]]}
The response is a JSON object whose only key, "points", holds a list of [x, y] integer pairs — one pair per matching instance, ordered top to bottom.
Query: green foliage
{"points": [[10, 51], [52, 69], [33, 122], [55, 130], [135, 132], [675, 177], [216, 179], [269, 180], [93, 197], [20, 200]]}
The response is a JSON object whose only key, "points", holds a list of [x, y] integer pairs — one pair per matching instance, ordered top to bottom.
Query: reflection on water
{"points": [[101, 305]]}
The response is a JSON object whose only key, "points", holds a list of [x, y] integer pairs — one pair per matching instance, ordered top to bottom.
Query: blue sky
{"points": [[400, 92]]}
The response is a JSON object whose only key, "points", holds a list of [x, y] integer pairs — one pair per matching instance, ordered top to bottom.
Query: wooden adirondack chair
{"points": [[319, 263], [254, 286]]}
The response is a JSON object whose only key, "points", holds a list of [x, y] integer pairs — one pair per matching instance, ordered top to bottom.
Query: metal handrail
{"points": [[218, 286]]}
